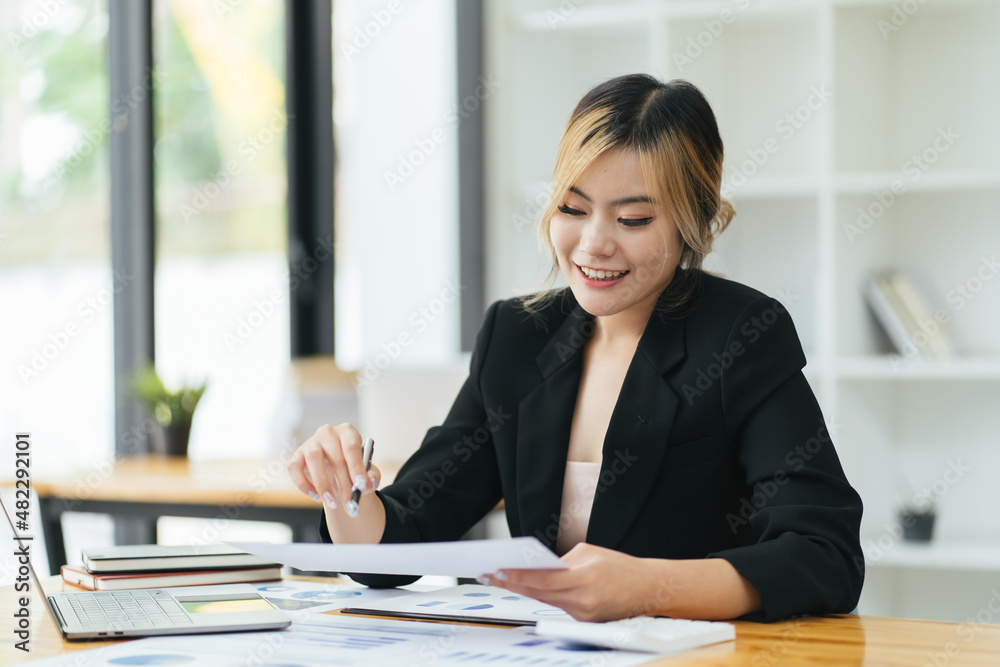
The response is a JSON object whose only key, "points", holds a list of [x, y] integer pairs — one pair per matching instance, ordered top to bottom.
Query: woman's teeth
{"points": [[602, 275]]}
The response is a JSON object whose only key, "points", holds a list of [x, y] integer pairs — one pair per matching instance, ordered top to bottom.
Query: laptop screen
{"points": [[24, 553]]}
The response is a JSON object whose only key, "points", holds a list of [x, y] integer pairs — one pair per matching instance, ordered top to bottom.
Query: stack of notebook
{"points": [[155, 566]]}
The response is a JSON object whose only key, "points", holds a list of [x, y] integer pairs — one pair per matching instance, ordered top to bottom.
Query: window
{"points": [[221, 276], [56, 278]]}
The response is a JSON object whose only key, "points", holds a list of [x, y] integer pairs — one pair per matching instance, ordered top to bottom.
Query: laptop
{"points": [[157, 611]]}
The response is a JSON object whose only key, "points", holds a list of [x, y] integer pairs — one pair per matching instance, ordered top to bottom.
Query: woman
{"points": [[650, 423]]}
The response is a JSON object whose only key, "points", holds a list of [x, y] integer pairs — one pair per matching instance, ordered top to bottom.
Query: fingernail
{"points": [[371, 476], [359, 482], [314, 496], [328, 499], [352, 508], [500, 575], [483, 579]]}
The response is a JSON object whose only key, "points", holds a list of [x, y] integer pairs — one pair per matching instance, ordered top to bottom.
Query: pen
{"points": [[366, 453]]}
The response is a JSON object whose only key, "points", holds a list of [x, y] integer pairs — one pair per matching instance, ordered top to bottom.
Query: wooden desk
{"points": [[147, 487], [837, 640]]}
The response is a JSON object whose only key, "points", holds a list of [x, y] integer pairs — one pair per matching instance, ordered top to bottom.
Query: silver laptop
{"points": [[158, 611]]}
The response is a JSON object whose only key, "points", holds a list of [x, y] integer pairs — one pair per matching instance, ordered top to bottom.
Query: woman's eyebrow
{"points": [[639, 199]]}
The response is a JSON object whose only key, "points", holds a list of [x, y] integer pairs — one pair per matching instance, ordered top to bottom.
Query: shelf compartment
{"points": [[760, 74], [898, 86], [946, 242], [897, 439]]}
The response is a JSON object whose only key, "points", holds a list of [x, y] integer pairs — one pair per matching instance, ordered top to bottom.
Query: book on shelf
{"points": [[903, 315], [153, 557], [118, 582]]}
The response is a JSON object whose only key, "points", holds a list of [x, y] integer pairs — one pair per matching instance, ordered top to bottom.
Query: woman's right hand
{"points": [[326, 467]]}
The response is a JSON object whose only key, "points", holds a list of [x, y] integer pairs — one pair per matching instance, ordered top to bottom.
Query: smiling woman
{"points": [[665, 146], [615, 252], [646, 406]]}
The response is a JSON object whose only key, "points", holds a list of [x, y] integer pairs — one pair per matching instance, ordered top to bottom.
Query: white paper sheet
{"points": [[466, 558], [308, 597], [465, 602], [323, 640]]}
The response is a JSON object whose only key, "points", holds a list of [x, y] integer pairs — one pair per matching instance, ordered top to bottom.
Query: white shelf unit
{"points": [[883, 90]]}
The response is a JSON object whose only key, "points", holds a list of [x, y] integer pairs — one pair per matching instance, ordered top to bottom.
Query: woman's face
{"points": [[615, 251]]}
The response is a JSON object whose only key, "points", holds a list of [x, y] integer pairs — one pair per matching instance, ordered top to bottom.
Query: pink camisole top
{"points": [[579, 487]]}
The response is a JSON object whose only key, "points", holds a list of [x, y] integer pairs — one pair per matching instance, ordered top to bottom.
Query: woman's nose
{"points": [[596, 240]]}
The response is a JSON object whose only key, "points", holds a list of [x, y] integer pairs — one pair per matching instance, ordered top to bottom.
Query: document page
{"points": [[465, 558]]}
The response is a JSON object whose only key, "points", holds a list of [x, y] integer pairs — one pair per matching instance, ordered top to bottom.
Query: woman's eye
{"points": [[569, 211], [628, 222], [635, 222]]}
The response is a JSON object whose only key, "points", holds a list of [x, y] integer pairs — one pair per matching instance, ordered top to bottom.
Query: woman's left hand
{"points": [[600, 585]]}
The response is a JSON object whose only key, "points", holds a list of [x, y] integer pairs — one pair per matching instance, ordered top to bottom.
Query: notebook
{"points": [[156, 558], [120, 582]]}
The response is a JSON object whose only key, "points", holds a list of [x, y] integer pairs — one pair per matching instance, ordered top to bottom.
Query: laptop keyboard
{"points": [[127, 610]]}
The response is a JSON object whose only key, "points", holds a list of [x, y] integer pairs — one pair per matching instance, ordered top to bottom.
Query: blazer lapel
{"points": [[545, 416], [637, 433], [633, 446]]}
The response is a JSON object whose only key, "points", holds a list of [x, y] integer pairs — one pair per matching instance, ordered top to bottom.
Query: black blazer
{"points": [[716, 448]]}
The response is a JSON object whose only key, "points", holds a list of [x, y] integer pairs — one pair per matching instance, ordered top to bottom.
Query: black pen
{"points": [[366, 453]]}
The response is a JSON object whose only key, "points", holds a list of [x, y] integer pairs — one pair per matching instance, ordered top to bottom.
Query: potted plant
{"points": [[171, 411], [917, 519]]}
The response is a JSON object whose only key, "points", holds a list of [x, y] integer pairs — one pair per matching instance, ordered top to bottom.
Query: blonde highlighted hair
{"points": [[672, 129]]}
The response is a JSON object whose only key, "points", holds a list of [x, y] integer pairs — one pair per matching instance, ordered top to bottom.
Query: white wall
{"points": [[397, 264]]}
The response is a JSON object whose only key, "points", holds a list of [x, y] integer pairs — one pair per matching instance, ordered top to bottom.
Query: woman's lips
{"points": [[597, 282]]}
